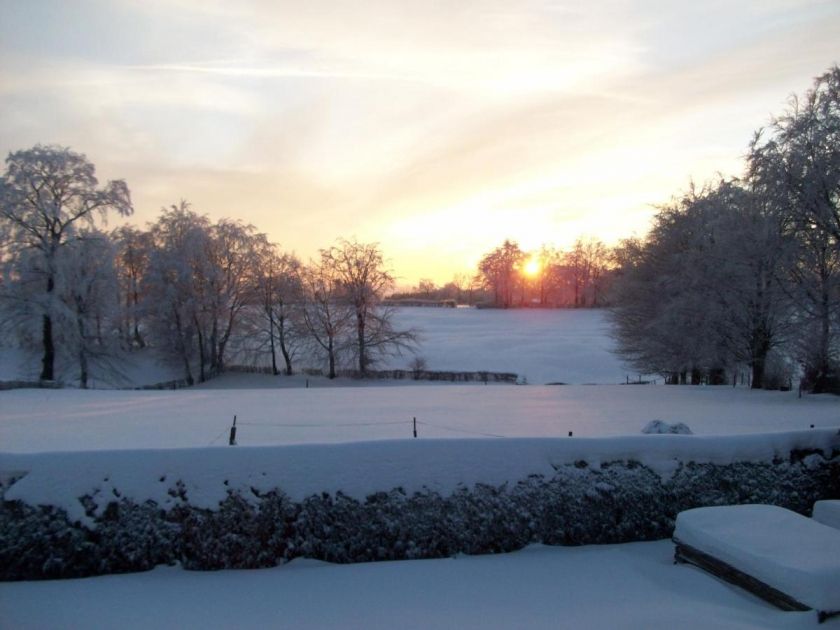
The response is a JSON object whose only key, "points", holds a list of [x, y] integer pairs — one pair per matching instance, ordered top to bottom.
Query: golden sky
{"points": [[435, 128]]}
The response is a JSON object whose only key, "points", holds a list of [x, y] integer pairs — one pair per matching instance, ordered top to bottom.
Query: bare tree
{"points": [[360, 270], [279, 292], [327, 313]]}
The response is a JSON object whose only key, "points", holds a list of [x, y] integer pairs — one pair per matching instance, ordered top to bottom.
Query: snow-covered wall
{"points": [[68, 514]]}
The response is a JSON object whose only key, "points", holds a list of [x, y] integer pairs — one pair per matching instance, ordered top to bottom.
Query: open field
{"points": [[541, 345], [46, 420]]}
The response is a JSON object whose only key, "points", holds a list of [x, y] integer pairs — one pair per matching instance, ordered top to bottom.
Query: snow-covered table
{"points": [[827, 513], [785, 558]]}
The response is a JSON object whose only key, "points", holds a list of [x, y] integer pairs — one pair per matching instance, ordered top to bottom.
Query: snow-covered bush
{"points": [[659, 426], [610, 502]]}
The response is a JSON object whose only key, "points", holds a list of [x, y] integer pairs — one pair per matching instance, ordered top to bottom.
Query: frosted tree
{"points": [[795, 163], [47, 194], [232, 260], [360, 270], [176, 284], [88, 288], [703, 291], [278, 305], [327, 313]]}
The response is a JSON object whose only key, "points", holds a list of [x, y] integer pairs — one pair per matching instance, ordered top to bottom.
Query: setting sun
{"points": [[532, 267]]}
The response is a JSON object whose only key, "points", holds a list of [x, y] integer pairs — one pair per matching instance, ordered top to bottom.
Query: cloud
{"points": [[436, 128]]}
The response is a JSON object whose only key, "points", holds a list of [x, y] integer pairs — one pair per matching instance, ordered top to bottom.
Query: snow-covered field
{"points": [[543, 346], [46, 420], [611, 586], [630, 586]]}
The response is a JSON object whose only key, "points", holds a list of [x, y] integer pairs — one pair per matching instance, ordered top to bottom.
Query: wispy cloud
{"points": [[436, 128]]}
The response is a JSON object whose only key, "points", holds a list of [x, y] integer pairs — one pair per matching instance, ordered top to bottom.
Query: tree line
{"points": [[745, 271], [510, 277], [198, 292]]}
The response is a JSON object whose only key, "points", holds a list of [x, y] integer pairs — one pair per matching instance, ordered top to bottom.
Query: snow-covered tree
{"points": [[795, 163], [47, 195], [133, 247], [360, 270], [87, 285], [176, 286], [704, 290], [327, 313], [277, 314]]}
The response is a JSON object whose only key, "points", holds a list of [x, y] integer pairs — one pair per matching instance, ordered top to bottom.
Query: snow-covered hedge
{"points": [[578, 501]]}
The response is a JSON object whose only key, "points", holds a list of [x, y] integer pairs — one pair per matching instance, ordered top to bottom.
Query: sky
{"points": [[436, 129]]}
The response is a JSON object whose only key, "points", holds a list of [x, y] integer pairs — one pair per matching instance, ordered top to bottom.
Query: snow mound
{"points": [[660, 427], [792, 553]]}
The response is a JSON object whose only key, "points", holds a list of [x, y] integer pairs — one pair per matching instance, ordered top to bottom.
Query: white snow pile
{"points": [[659, 427], [359, 469], [828, 513], [794, 554]]}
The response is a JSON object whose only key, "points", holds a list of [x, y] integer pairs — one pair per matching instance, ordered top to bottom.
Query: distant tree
{"points": [[47, 194], [132, 258], [498, 271], [361, 272], [426, 288]]}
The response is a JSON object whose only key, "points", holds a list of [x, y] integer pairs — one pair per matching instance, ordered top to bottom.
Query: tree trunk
{"points": [[360, 332], [271, 341], [331, 353], [287, 356], [201, 358], [83, 360], [48, 362], [822, 376]]}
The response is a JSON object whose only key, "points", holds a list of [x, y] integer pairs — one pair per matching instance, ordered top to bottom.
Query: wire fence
{"points": [[411, 425]]}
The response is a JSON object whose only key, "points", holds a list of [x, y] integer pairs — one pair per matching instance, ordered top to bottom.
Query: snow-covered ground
{"points": [[540, 345], [45, 420], [611, 586], [632, 586]]}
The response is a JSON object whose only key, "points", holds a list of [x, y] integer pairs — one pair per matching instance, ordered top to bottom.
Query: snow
{"points": [[541, 345], [45, 420], [658, 426], [361, 468], [828, 513], [792, 553], [610, 586]]}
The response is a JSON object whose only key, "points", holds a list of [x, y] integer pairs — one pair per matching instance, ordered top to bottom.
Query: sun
{"points": [[532, 267]]}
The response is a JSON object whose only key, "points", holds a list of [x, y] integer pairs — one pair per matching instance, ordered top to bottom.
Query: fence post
{"points": [[232, 439]]}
